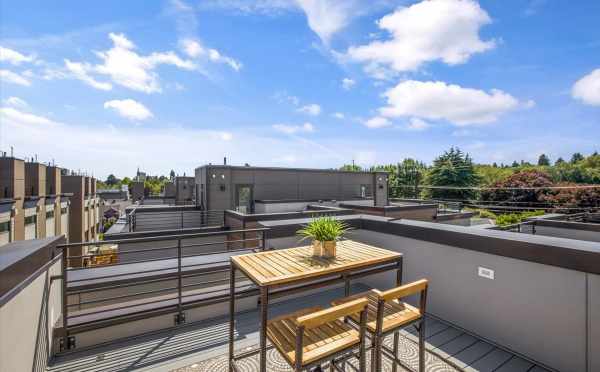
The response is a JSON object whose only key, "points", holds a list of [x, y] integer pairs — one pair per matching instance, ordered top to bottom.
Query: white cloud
{"points": [[326, 17], [446, 30], [194, 49], [14, 57], [125, 67], [79, 71], [14, 78], [348, 83], [587, 89], [438, 100], [15, 102], [129, 109], [312, 109], [12, 115], [338, 115], [377, 122], [417, 124], [294, 129], [120, 149]]}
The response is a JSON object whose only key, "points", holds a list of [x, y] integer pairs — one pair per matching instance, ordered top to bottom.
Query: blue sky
{"points": [[105, 87]]}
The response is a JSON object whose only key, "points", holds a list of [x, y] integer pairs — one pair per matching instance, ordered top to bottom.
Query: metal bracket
{"points": [[179, 318], [66, 343]]}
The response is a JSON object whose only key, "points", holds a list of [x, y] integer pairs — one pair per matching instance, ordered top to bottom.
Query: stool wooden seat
{"points": [[395, 313], [387, 314], [311, 336]]}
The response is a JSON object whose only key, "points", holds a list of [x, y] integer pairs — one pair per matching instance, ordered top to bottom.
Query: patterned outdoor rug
{"points": [[407, 351]]}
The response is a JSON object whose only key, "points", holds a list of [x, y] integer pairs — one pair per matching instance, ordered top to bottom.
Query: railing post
{"points": [[182, 219], [264, 240], [64, 314], [180, 317]]}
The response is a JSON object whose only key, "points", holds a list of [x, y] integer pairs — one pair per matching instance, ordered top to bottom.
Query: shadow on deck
{"points": [[203, 346]]}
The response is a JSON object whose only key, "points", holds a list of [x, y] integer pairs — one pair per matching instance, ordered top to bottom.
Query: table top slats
{"points": [[286, 266]]}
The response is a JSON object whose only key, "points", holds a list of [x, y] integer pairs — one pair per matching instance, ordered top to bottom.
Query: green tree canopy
{"points": [[452, 169]]}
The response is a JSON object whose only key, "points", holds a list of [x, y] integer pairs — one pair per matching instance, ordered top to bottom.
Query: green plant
{"points": [[484, 213], [513, 218], [324, 229]]}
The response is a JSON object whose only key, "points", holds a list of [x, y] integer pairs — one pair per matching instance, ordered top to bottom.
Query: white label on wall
{"points": [[485, 272]]}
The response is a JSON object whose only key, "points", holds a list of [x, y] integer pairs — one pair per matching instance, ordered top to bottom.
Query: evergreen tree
{"points": [[577, 157], [543, 160], [559, 161], [452, 169]]}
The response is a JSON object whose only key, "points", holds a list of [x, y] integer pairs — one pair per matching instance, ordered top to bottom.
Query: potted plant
{"points": [[325, 233]]}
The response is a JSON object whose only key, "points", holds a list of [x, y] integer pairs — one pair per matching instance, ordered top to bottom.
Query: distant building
{"points": [[222, 187], [184, 190], [113, 202], [32, 206], [85, 207]]}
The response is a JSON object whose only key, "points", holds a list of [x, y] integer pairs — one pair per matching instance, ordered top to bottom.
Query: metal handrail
{"points": [[185, 217], [178, 271]]}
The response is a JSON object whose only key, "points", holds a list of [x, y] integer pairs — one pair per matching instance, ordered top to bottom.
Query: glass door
{"points": [[244, 202]]}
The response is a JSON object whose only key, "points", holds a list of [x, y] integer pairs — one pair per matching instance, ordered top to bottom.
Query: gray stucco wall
{"points": [[536, 310], [26, 323]]}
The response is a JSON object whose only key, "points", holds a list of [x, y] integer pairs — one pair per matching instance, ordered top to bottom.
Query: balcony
{"points": [[166, 309]]}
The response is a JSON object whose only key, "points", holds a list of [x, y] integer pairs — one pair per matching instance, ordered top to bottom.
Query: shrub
{"points": [[324, 229]]}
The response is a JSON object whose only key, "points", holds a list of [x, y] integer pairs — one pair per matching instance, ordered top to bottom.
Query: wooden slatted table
{"points": [[277, 273]]}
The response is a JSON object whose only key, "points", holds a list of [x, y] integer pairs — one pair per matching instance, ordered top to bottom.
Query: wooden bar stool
{"points": [[386, 315], [309, 337]]}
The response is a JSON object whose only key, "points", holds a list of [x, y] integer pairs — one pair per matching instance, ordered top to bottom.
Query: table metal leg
{"points": [[399, 272], [264, 307], [231, 314]]}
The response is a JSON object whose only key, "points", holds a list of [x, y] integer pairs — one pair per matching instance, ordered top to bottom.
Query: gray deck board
{"points": [[203, 346], [472, 354], [490, 362], [516, 364]]}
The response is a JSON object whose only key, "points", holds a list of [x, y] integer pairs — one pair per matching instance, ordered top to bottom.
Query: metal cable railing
{"points": [[187, 275]]}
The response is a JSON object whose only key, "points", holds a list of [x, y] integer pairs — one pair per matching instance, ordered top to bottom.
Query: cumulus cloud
{"points": [[445, 30], [194, 49], [13, 57], [124, 66], [14, 78], [348, 83], [587, 89], [284, 97], [437, 100], [15, 102], [129, 109], [312, 109], [338, 115], [377, 122], [294, 129]]}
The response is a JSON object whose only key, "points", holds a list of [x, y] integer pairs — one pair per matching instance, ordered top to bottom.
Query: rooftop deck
{"points": [[203, 347]]}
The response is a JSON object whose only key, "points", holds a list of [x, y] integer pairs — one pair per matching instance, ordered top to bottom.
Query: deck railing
{"points": [[148, 219], [179, 275]]}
